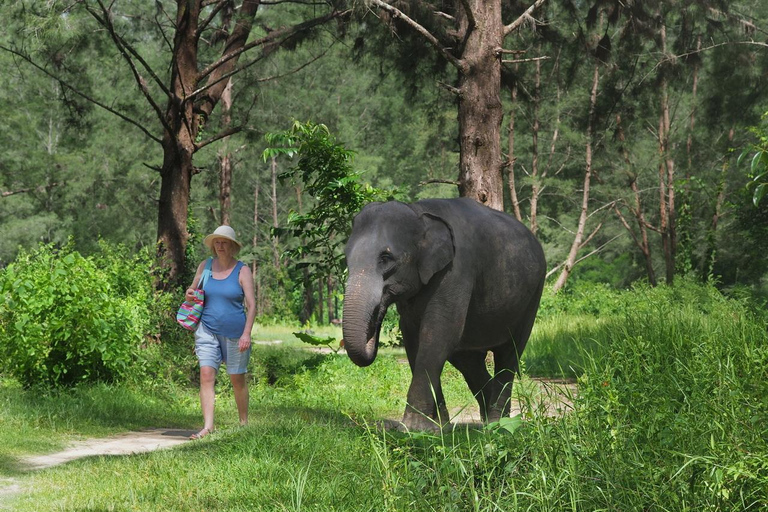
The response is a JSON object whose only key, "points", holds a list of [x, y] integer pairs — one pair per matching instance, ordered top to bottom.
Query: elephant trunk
{"points": [[363, 313]]}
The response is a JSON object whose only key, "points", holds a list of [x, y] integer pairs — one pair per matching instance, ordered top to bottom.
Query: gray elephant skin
{"points": [[466, 280]]}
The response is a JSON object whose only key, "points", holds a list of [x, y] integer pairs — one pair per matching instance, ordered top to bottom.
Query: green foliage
{"points": [[325, 169], [758, 169], [67, 319], [317, 341]]}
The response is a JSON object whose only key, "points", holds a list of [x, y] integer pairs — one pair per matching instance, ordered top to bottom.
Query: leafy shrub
{"points": [[66, 319]]}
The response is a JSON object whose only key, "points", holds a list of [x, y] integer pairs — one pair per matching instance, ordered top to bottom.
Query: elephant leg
{"points": [[440, 328], [410, 341], [506, 363], [472, 367], [425, 409]]}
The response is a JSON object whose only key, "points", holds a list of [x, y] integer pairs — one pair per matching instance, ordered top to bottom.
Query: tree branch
{"points": [[397, 13], [209, 19], [519, 21], [471, 23], [272, 36], [123, 44], [124, 50], [518, 61], [295, 70], [450, 88], [81, 94], [219, 136], [153, 167], [436, 180], [8, 193], [626, 225], [589, 238], [599, 249]]}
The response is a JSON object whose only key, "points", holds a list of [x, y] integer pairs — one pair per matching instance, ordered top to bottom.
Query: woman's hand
{"points": [[189, 296], [245, 342]]}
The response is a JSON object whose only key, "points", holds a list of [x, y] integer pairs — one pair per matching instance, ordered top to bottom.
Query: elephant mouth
{"points": [[377, 317]]}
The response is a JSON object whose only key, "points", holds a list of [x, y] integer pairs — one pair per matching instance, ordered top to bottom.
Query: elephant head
{"points": [[393, 251]]}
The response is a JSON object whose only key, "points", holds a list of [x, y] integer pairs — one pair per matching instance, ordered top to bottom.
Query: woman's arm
{"points": [[246, 282], [189, 296]]}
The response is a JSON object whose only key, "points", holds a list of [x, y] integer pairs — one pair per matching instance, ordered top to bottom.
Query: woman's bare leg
{"points": [[240, 387], [207, 395]]}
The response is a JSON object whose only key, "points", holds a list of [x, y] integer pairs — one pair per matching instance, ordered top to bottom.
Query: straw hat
{"points": [[222, 232]]}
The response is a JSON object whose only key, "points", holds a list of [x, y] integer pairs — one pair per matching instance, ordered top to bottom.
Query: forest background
{"points": [[620, 144]]}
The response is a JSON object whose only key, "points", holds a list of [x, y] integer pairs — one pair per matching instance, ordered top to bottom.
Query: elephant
{"points": [[466, 279]]}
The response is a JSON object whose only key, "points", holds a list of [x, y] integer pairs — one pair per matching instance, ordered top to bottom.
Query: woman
{"points": [[224, 333]]}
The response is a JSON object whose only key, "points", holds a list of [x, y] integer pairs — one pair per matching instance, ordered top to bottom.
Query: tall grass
{"points": [[670, 415]]}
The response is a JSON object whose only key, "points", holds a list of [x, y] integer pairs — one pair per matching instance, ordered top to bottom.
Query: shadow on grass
{"points": [[11, 466]]}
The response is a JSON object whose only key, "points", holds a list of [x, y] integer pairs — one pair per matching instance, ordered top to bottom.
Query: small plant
{"points": [[325, 168], [758, 168], [318, 341]]}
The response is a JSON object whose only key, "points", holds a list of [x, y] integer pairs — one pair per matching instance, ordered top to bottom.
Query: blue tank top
{"points": [[224, 313]]}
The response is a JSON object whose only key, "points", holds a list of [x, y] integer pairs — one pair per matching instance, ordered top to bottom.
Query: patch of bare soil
{"points": [[530, 397], [538, 397], [128, 443], [123, 444]]}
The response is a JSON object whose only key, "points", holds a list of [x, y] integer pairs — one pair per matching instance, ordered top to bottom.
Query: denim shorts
{"points": [[213, 349]]}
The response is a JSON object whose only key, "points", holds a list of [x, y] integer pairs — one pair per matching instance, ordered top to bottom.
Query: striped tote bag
{"points": [[189, 313]]}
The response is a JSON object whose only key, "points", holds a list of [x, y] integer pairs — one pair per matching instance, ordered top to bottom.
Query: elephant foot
{"points": [[494, 414], [416, 421]]}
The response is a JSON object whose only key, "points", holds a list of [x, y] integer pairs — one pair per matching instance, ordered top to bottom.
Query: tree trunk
{"points": [[478, 31], [480, 109], [182, 121], [692, 121], [178, 147], [225, 159], [511, 159], [666, 176], [535, 184], [275, 224], [578, 239], [641, 242], [645, 246], [710, 253], [255, 261], [329, 300], [320, 301], [308, 304]]}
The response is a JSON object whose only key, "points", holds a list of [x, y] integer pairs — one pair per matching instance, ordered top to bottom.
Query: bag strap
{"points": [[206, 272]]}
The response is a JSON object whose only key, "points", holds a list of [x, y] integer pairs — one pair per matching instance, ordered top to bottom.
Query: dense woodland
{"points": [[613, 129]]}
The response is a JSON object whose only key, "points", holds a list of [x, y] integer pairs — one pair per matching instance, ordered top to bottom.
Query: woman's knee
{"points": [[207, 374], [238, 380]]}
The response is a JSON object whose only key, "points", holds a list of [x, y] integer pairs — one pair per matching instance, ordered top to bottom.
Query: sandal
{"points": [[204, 432]]}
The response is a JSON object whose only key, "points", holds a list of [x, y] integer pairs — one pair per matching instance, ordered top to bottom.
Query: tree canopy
{"points": [[649, 104]]}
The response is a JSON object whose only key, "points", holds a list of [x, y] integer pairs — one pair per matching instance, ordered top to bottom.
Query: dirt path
{"points": [[127, 443]]}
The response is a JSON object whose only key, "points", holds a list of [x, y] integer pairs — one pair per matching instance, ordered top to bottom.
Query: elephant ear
{"points": [[436, 247]]}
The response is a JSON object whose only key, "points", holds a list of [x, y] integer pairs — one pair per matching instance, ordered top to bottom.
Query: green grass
{"points": [[671, 415]]}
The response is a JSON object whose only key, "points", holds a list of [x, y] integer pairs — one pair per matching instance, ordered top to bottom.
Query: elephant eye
{"points": [[386, 258], [386, 262]]}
